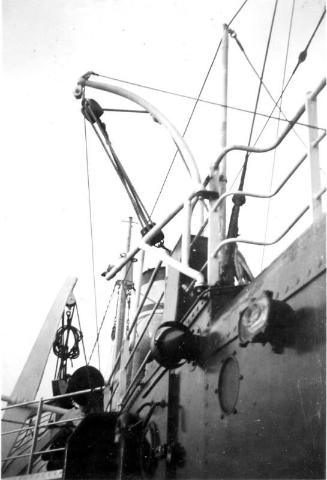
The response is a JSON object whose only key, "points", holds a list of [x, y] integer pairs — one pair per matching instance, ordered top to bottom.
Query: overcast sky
{"points": [[168, 44]]}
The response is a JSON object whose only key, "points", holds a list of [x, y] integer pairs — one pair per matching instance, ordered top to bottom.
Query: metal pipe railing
{"points": [[289, 127], [280, 186], [147, 238], [254, 242], [172, 262], [146, 293], [153, 311], [114, 367], [133, 382], [50, 399], [46, 408], [46, 426], [35, 435], [41, 452]]}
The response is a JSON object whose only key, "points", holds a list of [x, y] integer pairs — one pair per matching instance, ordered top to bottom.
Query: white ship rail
{"points": [[41, 405]]}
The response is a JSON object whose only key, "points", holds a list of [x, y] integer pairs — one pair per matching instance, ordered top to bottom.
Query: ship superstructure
{"points": [[217, 374]]}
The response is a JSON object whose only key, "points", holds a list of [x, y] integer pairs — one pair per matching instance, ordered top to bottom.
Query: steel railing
{"points": [[200, 192], [41, 404]]}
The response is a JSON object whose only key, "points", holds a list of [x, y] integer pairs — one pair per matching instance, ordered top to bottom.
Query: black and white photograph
{"points": [[164, 239]]}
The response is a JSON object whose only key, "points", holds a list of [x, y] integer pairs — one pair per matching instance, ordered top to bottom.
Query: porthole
{"points": [[229, 385]]}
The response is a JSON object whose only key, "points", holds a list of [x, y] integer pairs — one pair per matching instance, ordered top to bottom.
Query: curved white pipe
{"points": [[180, 143]]}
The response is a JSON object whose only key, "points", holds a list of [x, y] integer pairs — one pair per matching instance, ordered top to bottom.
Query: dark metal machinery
{"points": [[255, 410]]}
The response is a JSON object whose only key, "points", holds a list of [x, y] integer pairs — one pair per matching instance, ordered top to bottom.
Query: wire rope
{"points": [[303, 54], [291, 76], [283, 91], [258, 96], [200, 100], [194, 106], [279, 119], [186, 128], [277, 132], [135, 199], [239, 200], [91, 233], [106, 311], [80, 327], [96, 343]]}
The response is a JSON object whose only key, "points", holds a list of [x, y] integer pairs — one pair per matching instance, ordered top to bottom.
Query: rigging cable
{"points": [[234, 36], [303, 54], [302, 57], [297, 65], [284, 89], [258, 96], [189, 97], [194, 106], [92, 111], [91, 115], [277, 132], [239, 200], [139, 207], [91, 233], [106, 311], [114, 326], [80, 327], [96, 343]]}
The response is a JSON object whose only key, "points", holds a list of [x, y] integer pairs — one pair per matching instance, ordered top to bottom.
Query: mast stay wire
{"points": [[303, 54], [301, 59], [285, 87], [258, 96], [189, 97], [194, 106], [280, 111], [277, 131], [239, 200], [91, 233], [229, 266], [117, 284], [82, 339], [96, 343]]}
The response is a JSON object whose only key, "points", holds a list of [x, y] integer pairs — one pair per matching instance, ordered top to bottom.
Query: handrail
{"points": [[289, 127], [280, 186], [257, 195], [147, 238], [254, 242], [181, 267], [151, 281], [153, 311], [114, 367], [133, 382], [57, 397], [46, 408], [47, 425], [37, 426], [35, 434], [41, 452]]}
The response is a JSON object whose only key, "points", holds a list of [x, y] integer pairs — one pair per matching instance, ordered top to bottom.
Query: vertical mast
{"points": [[217, 220], [126, 282]]}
